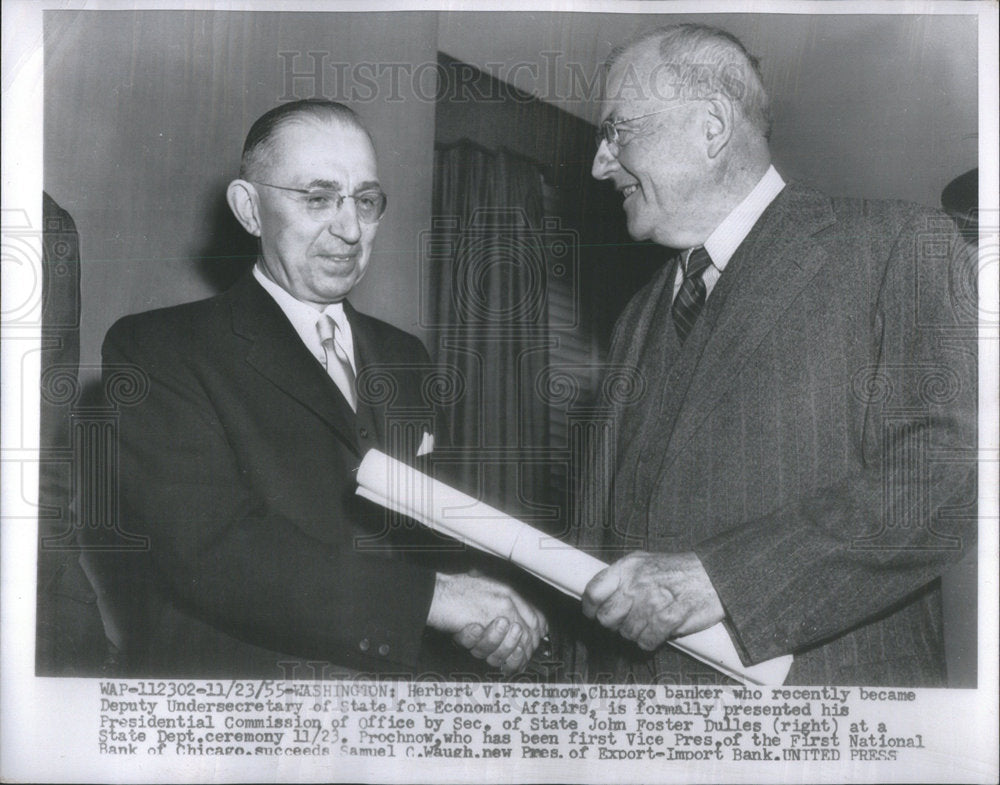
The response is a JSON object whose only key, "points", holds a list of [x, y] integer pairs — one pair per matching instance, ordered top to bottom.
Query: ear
{"points": [[718, 123], [242, 198]]}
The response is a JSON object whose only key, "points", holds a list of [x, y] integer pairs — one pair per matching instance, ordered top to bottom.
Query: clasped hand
{"points": [[651, 597], [488, 618]]}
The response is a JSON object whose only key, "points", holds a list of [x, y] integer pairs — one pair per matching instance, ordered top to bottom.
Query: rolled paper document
{"points": [[408, 491]]}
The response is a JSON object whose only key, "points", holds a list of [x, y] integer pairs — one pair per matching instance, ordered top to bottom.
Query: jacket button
{"points": [[364, 433], [365, 644], [384, 649]]}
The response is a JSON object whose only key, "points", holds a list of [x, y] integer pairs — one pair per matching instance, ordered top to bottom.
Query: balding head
{"points": [[694, 61], [684, 121], [259, 147]]}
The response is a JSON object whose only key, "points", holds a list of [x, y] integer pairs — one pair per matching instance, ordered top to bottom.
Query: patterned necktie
{"points": [[691, 296], [337, 363]]}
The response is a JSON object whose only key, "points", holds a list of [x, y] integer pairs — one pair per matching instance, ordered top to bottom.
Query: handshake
{"points": [[647, 598], [488, 618]]}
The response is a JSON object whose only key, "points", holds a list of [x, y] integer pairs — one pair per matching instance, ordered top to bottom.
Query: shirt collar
{"points": [[723, 242], [303, 315]]}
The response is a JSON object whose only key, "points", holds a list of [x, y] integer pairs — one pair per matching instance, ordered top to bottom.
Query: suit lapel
{"points": [[766, 274], [645, 336], [648, 349], [276, 351], [366, 355]]}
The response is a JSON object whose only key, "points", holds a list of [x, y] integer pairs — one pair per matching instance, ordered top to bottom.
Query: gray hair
{"points": [[704, 60]]}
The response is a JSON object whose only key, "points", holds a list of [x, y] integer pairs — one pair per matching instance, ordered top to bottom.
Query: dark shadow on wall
{"points": [[227, 250]]}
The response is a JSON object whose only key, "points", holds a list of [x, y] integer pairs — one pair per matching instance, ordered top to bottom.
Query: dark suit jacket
{"points": [[813, 441], [238, 463]]}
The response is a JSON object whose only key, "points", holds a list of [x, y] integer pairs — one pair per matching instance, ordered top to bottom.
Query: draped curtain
{"points": [[488, 257]]}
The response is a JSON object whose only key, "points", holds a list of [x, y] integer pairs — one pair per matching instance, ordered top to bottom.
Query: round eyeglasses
{"points": [[609, 128], [323, 204]]}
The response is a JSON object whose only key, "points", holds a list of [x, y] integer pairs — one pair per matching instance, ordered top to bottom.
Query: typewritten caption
{"points": [[369, 719]]}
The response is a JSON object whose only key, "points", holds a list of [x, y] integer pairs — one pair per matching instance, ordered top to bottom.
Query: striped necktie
{"points": [[691, 296], [337, 363]]}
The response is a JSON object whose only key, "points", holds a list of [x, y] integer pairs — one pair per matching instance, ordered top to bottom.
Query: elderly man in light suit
{"points": [[239, 462], [798, 467]]}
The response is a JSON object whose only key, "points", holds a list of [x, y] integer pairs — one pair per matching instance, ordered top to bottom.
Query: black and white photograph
{"points": [[500, 392]]}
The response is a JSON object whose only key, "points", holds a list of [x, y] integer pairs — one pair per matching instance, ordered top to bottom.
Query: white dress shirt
{"points": [[723, 242], [304, 316]]}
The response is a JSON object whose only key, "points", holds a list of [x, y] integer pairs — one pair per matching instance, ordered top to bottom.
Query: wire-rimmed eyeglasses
{"points": [[609, 128], [323, 204]]}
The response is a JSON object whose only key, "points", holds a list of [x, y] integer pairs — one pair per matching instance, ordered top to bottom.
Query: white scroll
{"points": [[399, 487]]}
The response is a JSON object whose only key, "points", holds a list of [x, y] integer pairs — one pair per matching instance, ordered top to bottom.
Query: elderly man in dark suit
{"points": [[238, 463], [801, 466]]}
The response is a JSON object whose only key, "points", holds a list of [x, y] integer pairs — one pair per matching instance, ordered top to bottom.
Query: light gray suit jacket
{"points": [[813, 441]]}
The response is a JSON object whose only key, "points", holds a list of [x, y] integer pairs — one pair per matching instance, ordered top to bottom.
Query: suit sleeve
{"points": [[854, 550], [223, 555]]}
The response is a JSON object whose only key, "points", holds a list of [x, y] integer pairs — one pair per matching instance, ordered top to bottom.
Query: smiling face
{"points": [[660, 165], [315, 261]]}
